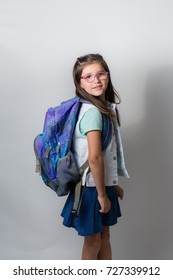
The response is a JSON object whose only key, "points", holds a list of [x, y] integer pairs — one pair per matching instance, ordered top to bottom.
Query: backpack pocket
{"points": [[68, 173]]}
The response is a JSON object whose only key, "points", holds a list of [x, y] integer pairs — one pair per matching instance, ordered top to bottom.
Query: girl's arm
{"points": [[95, 159], [120, 192]]}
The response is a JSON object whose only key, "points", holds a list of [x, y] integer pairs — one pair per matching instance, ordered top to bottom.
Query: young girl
{"points": [[99, 207]]}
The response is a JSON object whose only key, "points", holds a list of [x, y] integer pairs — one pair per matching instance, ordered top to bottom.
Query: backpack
{"points": [[55, 161]]}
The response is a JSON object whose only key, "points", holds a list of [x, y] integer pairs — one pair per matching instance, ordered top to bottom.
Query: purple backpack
{"points": [[54, 159]]}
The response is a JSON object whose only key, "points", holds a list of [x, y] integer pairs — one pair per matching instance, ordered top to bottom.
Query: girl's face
{"points": [[94, 80]]}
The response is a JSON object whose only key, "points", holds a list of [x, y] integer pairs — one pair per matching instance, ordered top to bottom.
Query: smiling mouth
{"points": [[98, 87]]}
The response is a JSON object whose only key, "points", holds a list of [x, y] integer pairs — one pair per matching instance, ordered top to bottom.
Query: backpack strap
{"points": [[106, 131]]}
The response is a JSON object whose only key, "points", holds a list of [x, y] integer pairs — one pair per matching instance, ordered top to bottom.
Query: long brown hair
{"points": [[111, 94]]}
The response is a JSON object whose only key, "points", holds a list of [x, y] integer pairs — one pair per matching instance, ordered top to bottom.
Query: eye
{"points": [[101, 74], [89, 76]]}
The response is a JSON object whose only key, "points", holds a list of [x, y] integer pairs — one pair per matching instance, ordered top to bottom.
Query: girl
{"points": [[99, 207]]}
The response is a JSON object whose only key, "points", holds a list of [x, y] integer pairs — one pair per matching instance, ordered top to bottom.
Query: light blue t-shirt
{"points": [[91, 120]]}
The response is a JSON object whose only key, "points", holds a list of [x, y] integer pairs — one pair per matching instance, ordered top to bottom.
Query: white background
{"points": [[39, 43]]}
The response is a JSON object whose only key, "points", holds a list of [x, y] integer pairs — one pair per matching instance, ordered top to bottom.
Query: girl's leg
{"points": [[91, 247], [97, 247], [105, 252]]}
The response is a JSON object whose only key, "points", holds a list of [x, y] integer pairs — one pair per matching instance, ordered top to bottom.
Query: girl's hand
{"points": [[120, 192], [105, 204]]}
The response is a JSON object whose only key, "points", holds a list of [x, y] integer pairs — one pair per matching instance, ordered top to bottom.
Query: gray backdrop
{"points": [[39, 42]]}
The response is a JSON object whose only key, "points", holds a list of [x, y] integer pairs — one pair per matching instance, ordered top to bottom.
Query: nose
{"points": [[97, 78]]}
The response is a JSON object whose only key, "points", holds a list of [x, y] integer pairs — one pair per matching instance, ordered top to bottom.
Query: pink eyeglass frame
{"points": [[95, 75]]}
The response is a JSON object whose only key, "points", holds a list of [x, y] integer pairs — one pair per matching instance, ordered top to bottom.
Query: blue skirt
{"points": [[90, 221]]}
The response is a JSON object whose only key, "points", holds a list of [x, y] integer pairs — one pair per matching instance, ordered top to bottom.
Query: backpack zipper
{"points": [[58, 148], [47, 152], [38, 163], [38, 167]]}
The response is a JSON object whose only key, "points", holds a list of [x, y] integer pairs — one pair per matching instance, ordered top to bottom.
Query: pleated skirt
{"points": [[89, 220]]}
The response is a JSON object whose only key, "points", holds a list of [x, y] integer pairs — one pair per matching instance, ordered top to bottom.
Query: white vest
{"points": [[80, 150]]}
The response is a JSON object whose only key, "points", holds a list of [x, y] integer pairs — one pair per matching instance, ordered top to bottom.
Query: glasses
{"points": [[102, 75]]}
